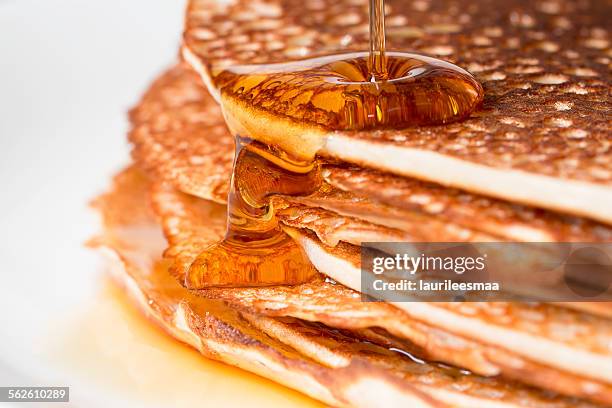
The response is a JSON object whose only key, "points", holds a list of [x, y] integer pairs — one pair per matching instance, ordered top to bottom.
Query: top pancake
{"points": [[179, 136], [542, 136]]}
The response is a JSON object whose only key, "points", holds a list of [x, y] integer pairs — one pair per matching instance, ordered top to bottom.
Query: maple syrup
{"points": [[377, 59], [336, 93], [281, 114], [255, 250]]}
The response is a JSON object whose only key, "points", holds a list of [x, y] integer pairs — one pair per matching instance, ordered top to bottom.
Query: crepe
{"points": [[542, 137], [336, 367]]}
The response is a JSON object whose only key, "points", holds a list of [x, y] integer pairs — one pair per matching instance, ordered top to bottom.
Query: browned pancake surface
{"points": [[545, 67], [179, 136], [189, 232], [338, 367]]}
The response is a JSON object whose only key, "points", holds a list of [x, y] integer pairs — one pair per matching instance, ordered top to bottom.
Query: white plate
{"points": [[69, 70]]}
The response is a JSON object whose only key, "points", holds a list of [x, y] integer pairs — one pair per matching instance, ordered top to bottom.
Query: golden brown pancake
{"points": [[179, 136], [542, 136], [534, 164], [543, 345], [336, 367]]}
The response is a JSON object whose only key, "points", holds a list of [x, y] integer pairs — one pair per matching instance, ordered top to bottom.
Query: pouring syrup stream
{"points": [[377, 63]]}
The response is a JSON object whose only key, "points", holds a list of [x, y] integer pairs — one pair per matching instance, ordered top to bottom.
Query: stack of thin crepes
{"points": [[534, 164]]}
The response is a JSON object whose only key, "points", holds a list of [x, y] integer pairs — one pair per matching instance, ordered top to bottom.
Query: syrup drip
{"points": [[282, 114], [255, 250]]}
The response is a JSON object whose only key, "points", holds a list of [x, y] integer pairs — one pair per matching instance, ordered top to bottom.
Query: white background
{"points": [[69, 70]]}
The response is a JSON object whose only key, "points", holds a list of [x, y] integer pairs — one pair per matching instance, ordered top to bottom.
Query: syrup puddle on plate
{"points": [[115, 350]]}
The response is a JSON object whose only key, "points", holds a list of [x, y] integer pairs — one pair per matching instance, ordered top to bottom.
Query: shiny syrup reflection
{"points": [[335, 92], [255, 250]]}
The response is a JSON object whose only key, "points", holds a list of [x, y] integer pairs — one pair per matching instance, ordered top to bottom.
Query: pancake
{"points": [[178, 135], [542, 137], [532, 165], [214, 329], [547, 346], [336, 367]]}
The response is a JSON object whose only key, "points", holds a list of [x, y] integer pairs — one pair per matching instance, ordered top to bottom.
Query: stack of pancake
{"points": [[534, 164]]}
